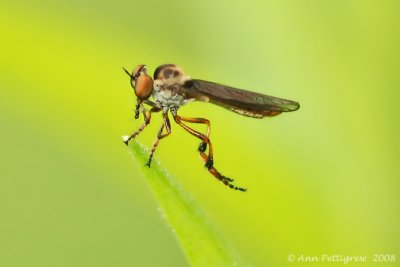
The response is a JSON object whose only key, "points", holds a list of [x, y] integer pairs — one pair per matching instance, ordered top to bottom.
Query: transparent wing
{"points": [[244, 102]]}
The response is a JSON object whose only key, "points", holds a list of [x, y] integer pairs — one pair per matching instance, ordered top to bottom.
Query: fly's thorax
{"points": [[170, 74], [168, 79], [180, 79], [168, 96]]}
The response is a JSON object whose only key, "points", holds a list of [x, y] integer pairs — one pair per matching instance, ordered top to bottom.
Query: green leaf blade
{"points": [[199, 238]]}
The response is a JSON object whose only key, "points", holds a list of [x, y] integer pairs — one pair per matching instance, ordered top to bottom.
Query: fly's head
{"points": [[141, 82]]}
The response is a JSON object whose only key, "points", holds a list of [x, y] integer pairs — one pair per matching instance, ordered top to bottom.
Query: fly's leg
{"points": [[137, 109], [146, 122], [167, 125], [203, 145], [207, 159]]}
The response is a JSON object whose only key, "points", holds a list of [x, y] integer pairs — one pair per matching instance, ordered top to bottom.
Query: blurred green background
{"points": [[324, 179]]}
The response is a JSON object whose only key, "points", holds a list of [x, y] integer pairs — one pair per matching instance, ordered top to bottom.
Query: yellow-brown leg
{"points": [[146, 122], [167, 125], [203, 145], [207, 159]]}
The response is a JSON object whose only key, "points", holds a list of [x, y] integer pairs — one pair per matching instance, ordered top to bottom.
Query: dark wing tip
{"points": [[291, 106]]}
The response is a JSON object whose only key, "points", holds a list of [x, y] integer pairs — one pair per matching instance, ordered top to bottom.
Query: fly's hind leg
{"points": [[203, 144], [207, 159]]}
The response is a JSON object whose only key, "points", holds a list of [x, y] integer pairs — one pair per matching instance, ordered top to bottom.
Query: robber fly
{"points": [[172, 88]]}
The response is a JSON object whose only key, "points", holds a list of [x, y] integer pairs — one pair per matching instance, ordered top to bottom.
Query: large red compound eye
{"points": [[144, 87]]}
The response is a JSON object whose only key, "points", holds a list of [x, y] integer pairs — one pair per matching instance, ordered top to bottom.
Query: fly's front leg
{"points": [[137, 109], [146, 122], [167, 125], [207, 159]]}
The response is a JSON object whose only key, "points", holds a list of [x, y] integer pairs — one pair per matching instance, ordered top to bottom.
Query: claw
{"points": [[126, 139], [149, 161], [238, 188]]}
